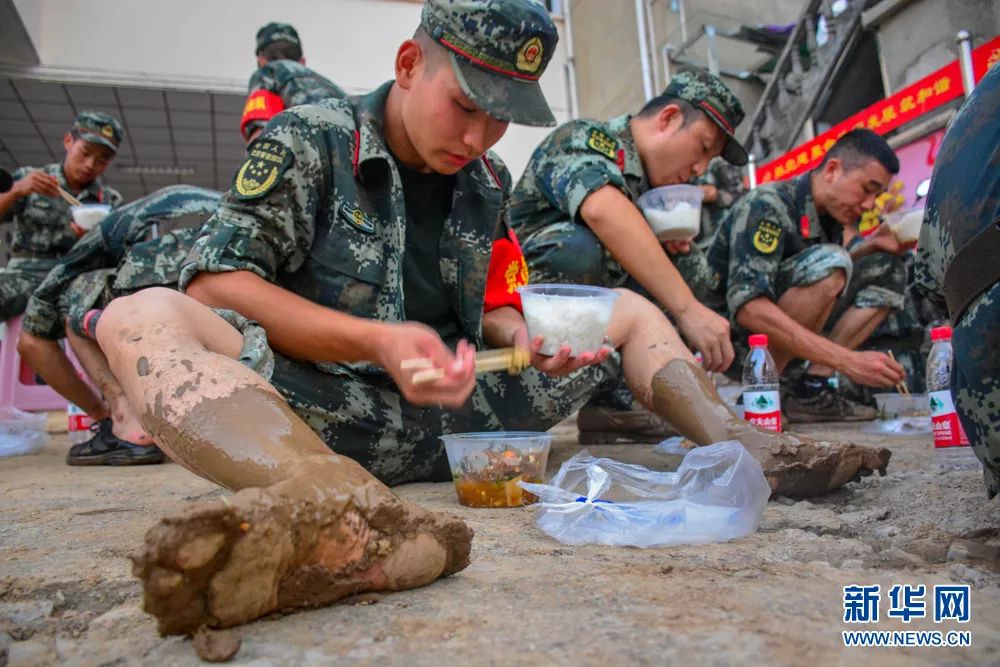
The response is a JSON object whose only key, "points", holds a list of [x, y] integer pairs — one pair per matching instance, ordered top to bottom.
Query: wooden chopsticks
{"points": [[69, 198], [510, 359], [901, 387]]}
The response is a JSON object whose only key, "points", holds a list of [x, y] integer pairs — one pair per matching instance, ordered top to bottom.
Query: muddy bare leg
{"points": [[664, 377], [124, 421], [306, 526]]}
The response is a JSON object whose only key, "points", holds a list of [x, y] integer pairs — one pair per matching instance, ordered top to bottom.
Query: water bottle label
{"points": [[763, 409], [77, 419], [948, 431]]}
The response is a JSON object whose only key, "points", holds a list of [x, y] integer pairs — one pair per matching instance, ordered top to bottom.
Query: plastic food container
{"points": [[673, 211], [89, 216], [906, 224], [574, 315], [894, 406], [21, 432], [487, 467]]}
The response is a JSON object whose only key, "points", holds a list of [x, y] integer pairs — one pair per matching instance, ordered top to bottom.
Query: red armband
{"points": [[260, 105], [507, 272]]}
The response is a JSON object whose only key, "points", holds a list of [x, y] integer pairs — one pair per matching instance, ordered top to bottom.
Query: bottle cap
{"points": [[941, 333], [758, 340]]}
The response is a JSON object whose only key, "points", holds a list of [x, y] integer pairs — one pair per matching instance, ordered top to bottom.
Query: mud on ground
{"points": [[67, 595]]}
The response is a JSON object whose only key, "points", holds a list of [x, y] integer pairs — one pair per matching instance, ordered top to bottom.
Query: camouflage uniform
{"points": [[293, 83], [578, 158], [728, 181], [963, 202], [332, 229], [42, 232], [774, 239], [138, 245]]}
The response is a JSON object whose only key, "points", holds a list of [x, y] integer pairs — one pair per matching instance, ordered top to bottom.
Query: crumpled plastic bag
{"points": [[900, 426], [21, 432], [718, 493]]}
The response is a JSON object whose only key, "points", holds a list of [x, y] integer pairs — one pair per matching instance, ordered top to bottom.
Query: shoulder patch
{"points": [[600, 142], [266, 161], [357, 218], [766, 237]]}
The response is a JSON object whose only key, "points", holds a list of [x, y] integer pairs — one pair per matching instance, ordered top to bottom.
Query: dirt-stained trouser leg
{"points": [[664, 377]]}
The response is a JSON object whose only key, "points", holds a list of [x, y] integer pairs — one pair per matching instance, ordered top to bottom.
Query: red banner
{"points": [[907, 105]]}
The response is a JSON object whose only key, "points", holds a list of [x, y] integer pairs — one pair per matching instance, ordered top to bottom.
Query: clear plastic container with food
{"points": [[673, 211], [88, 216], [573, 315], [487, 467]]}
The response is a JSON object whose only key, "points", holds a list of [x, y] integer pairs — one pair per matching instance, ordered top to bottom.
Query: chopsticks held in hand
{"points": [[69, 198], [510, 359], [901, 387]]}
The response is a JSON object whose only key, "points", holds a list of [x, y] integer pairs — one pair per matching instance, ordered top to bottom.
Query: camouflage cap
{"points": [[277, 32], [498, 49], [708, 93], [99, 128]]}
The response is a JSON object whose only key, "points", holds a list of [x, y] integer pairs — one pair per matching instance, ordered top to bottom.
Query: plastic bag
{"points": [[899, 426], [21, 432], [674, 446], [718, 493]]}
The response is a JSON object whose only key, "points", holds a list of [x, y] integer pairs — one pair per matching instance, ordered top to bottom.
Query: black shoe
{"points": [[826, 406], [600, 425], [104, 449]]}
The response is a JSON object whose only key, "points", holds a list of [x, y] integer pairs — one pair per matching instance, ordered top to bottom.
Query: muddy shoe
{"points": [[826, 406], [601, 425], [105, 449]]}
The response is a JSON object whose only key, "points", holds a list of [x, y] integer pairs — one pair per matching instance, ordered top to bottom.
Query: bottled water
{"points": [[761, 400], [78, 424], [951, 446]]}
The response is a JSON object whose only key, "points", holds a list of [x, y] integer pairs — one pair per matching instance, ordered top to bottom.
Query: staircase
{"points": [[800, 82]]}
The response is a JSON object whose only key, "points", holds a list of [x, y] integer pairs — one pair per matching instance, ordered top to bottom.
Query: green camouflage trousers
{"points": [[568, 252], [874, 281], [16, 286], [87, 291], [975, 381], [361, 414]]}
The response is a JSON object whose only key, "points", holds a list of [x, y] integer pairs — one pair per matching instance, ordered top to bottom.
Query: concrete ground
{"points": [[67, 595]]}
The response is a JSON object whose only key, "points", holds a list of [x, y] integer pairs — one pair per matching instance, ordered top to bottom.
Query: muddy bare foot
{"points": [[794, 465], [222, 563]]}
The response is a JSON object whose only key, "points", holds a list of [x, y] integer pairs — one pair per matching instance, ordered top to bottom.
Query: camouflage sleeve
{"points": [[569, 170], [113, 197], [18, 206], [266, 222], [758, 233], [934, 250], [42, 317]]}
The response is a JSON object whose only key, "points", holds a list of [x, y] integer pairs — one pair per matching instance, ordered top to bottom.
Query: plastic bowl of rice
{"points": [[673, 211], [88, 216], [573, 315]]}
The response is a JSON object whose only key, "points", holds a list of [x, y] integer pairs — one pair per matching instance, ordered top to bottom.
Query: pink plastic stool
{"points": [[13, 391]]}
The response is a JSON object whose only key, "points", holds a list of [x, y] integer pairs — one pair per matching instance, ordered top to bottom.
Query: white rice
{"points": [[681, 223], [580, 322]]}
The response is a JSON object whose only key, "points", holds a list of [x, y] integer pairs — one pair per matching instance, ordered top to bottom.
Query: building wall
{"points": [[920, 37], [352, 42], [609, 76]]}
